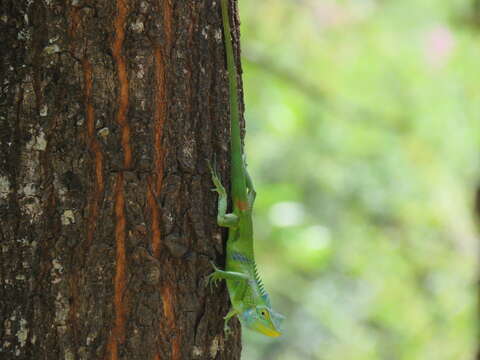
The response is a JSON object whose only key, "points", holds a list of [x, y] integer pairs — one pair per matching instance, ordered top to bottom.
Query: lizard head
{"points": [[263, 319]]}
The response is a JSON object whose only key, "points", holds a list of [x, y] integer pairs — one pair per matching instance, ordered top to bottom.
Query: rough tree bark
{"points": [[109, 110]]}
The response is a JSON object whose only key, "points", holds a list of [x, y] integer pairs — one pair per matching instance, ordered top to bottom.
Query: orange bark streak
{"points": [[72, 30], [123, 96], [160, 116], [95, 149], [155, 218], [167, 299], [168, 310], [118, 332], [176, 348]]}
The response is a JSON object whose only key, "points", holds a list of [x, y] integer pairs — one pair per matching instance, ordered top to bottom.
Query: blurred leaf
{"points": [[363, 141]]}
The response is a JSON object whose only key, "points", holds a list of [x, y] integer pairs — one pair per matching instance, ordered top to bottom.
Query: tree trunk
{"points": [[109, 111]]}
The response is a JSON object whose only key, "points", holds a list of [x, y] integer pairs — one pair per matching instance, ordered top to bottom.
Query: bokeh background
{"points": [[363, 138]]}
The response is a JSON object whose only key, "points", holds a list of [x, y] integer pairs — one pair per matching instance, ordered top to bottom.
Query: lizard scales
{"points": [[249, 299]]}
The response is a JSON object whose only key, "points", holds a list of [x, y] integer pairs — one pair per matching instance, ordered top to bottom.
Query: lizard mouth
{"points": [[268, 331]]}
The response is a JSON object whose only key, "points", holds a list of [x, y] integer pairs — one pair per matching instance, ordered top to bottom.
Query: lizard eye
{"points": [[264, 314]]}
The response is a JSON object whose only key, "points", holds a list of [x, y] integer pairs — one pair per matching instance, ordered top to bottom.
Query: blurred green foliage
{"points": [[363, 122]]}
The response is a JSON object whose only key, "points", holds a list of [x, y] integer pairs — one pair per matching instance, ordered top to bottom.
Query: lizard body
{"points": [[250, 302]]}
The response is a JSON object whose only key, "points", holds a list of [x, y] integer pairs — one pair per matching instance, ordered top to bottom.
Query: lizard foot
{"points": [[219, 188], [215, 276], [227, 330]]}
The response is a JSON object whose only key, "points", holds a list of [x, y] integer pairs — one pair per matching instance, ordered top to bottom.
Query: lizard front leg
{"points": [[223, 219], [241, 283], [241, 286], [232, 313]]}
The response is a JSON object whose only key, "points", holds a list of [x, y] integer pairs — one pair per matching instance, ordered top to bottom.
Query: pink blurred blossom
{"points": [[439, 46]]}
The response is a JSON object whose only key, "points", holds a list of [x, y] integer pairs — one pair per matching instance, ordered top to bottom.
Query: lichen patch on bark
{"points": [[5, 187]]}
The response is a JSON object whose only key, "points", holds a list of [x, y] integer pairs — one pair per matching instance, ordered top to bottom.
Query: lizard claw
{"points": [[214, 277], [213, 280]]}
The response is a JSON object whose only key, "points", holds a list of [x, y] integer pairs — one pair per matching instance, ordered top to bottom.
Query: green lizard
{"points": [[250, 301]]}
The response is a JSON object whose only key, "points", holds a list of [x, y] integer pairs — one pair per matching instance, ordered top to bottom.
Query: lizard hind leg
{"points": [[252, 194]]}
